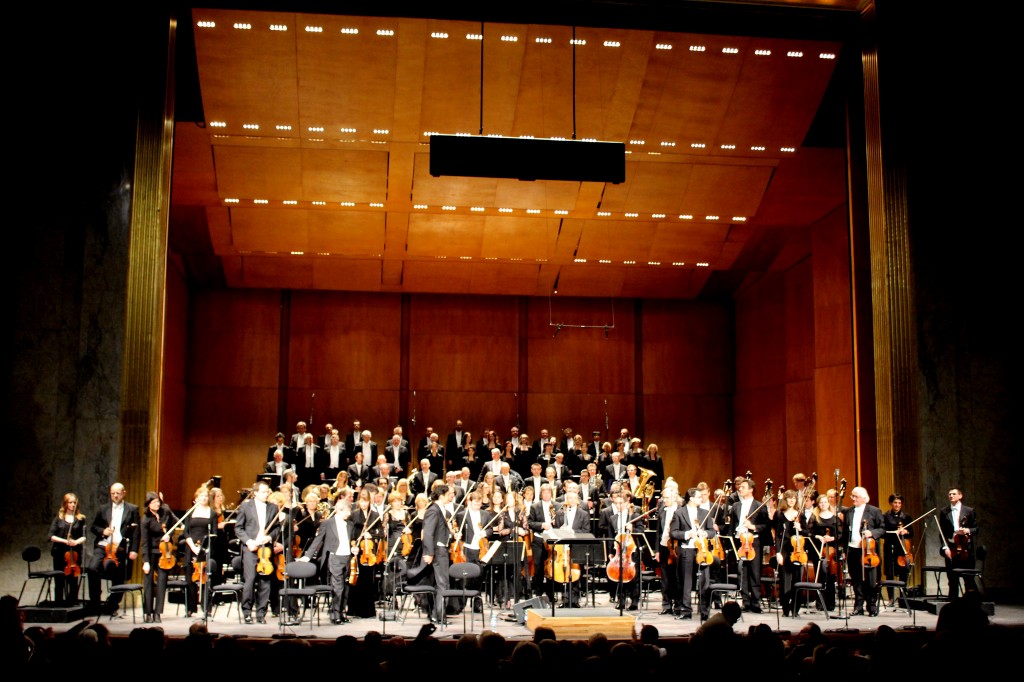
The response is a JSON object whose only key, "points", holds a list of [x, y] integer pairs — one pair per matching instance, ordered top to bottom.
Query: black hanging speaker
{"points": [[527, 158]]}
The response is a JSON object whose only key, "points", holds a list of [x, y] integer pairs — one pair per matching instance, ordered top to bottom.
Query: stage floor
{"points": [[223, 623]]}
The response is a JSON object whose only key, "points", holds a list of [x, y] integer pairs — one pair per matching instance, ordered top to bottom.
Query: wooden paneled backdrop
{"points": [[763, 382]]}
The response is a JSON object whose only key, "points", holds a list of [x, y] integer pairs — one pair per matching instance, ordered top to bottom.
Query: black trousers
{"points": [[440, 564], [338, 567], [100, 569], [863, 579], [255, 587]]}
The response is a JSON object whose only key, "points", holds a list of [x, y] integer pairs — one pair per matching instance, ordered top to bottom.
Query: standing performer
{"points": [[749, 517], [689, 524], [862, 524], [959, 526], [115, 527], [257, 529], [824, 529], [197, 533], [336, 536], [437, 536], [67, 537], [897, 539], [154, 544]]}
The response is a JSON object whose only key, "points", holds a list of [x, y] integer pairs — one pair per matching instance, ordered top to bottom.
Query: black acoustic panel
{"points": [[527, 159], [520, 609]]}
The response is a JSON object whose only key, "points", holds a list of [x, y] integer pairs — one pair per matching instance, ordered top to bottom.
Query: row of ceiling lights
{"points": [[509, 38], [504, 210], [578, 261]]}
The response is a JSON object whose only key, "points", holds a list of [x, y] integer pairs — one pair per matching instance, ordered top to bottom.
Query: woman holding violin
{"points": [[824, 531], [197, 533], [67, 535], [790, 548], [159, 556], [898, 556], [363, 595]]}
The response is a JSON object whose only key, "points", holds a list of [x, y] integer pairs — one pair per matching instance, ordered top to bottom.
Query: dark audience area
{"points": [[963, 642]]}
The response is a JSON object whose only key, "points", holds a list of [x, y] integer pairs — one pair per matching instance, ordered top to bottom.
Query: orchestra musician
{"points": [[287, 453], [398, 455], [335, 458], [310, 463], [358, 472], [423, 480], [571, 515], [749, 516], [541, 519], [156, 520], [617, 520], [475, 523], [861, 523], [688, 524], [787, 524], [116, 525], [959, 526], [256, 527], [824, 530], [197, 531], [896, 533], [67, 534], [336, 537], [671, 591], [362, 596]]}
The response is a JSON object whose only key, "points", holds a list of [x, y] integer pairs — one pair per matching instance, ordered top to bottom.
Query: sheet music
{"points": [[490, 552]]}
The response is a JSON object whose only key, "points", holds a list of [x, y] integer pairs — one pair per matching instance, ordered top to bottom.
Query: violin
{"points": [[961, 545], [297, 547], [111, 551], [382, 551], [367, 552], [828, 552], [799, 554], [870, 556], [705, 557], [906, 558], [167, 559], [71, 565], [263, 565], [279, 566], [353, 566], [199, 572]]}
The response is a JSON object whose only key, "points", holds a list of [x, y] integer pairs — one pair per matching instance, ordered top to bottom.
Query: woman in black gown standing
{"points": [[67, 534]]}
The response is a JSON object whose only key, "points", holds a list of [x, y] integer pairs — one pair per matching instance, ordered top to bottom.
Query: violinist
{"points": [[572, 515], [305, 519], [541, 519], [156, 520], [617, 520], [751, 521], [225, 523], [475, 523], [689, 525], [788, 525], [959, 526], [862, 527], [256, 528], [399, 530], [116, 531], [824, 531], [67, 534], [197, 534], [336, 537], [897, 538], [666, 556], [363, 595]]}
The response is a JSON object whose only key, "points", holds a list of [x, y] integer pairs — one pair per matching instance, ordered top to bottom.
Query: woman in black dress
{"points": [[155, 519], [787, 526], [824, 532], [197, 533], [67, 535], [362, 596]]}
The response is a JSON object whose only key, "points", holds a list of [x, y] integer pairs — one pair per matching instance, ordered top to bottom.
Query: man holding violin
{"points": [[689, 524], [863, 526], [959, 526], [256, 527], [116, 531]]}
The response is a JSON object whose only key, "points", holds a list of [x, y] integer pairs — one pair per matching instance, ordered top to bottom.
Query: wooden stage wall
{"points": [[763, 383]]}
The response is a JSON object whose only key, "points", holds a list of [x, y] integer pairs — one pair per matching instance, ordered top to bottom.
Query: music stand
{"points": [[273, 480], [567, 537]]}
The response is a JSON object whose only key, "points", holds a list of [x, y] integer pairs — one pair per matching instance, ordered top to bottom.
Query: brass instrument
{"points": [[645, 487], [323, 507]]}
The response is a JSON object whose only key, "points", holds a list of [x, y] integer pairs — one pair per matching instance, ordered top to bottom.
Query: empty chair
{"points": [[29, 554], [300, 572], [460, 574], [973, 575], [803, 587], [229, 591]]}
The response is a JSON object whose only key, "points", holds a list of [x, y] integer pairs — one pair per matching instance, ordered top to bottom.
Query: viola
{"points": [[406, 544], [961, 545], [484, 546], [297, 547], [717, 548], [673, 550], [382, 551], [746, 551], [111, 552], [367, 552], [799, 554], [870, 556], [705, 557], [906, 558], [167, 559], [71, 565], [263, 565], [279, 566], [353, 566], [199, 572]]}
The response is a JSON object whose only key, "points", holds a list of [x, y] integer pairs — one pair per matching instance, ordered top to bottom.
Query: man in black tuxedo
{"points": [[354, 435], [298, 438], [325, 440], [367, 446], [455, 446], [287, 452], [434, 453], [398, 456], [335, 458], [310, 463], [278, 465], [615, 471], [358, 472], [422, 480], [508, 480], [571, 515], [750, 516], [862, 522], [117, 523], [615, 523], [688, 524], [959, 526], [255, 528], [335, 536], [437, 537]]}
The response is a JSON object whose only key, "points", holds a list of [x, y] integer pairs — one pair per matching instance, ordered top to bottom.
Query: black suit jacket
{"points": [[454, 445], [289, 453], [404, 458], [271, 468], [308, 475], [363, 476], [418, 485], [871, 519], [968, 520], [580, 522], [247, 524], [680, 524], [130, 528], [435, 529], [327, 538]]}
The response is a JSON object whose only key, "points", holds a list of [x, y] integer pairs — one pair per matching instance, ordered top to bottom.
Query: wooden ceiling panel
{"points": [[247, 76], [350, 76], [451, 78], [608, 81], [543, 107], [258, 172], [355, 175], [195, 180], [650, 188], [804, 188], [464, 191], [725, 191], [551, 195], [272, 230], [349, 233], [432, 235], [526, 238], [617, 240], [688, 242], [284, 272], [347, 274], [438, 277], [501, 278], [593, 280], [660, 282]]}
